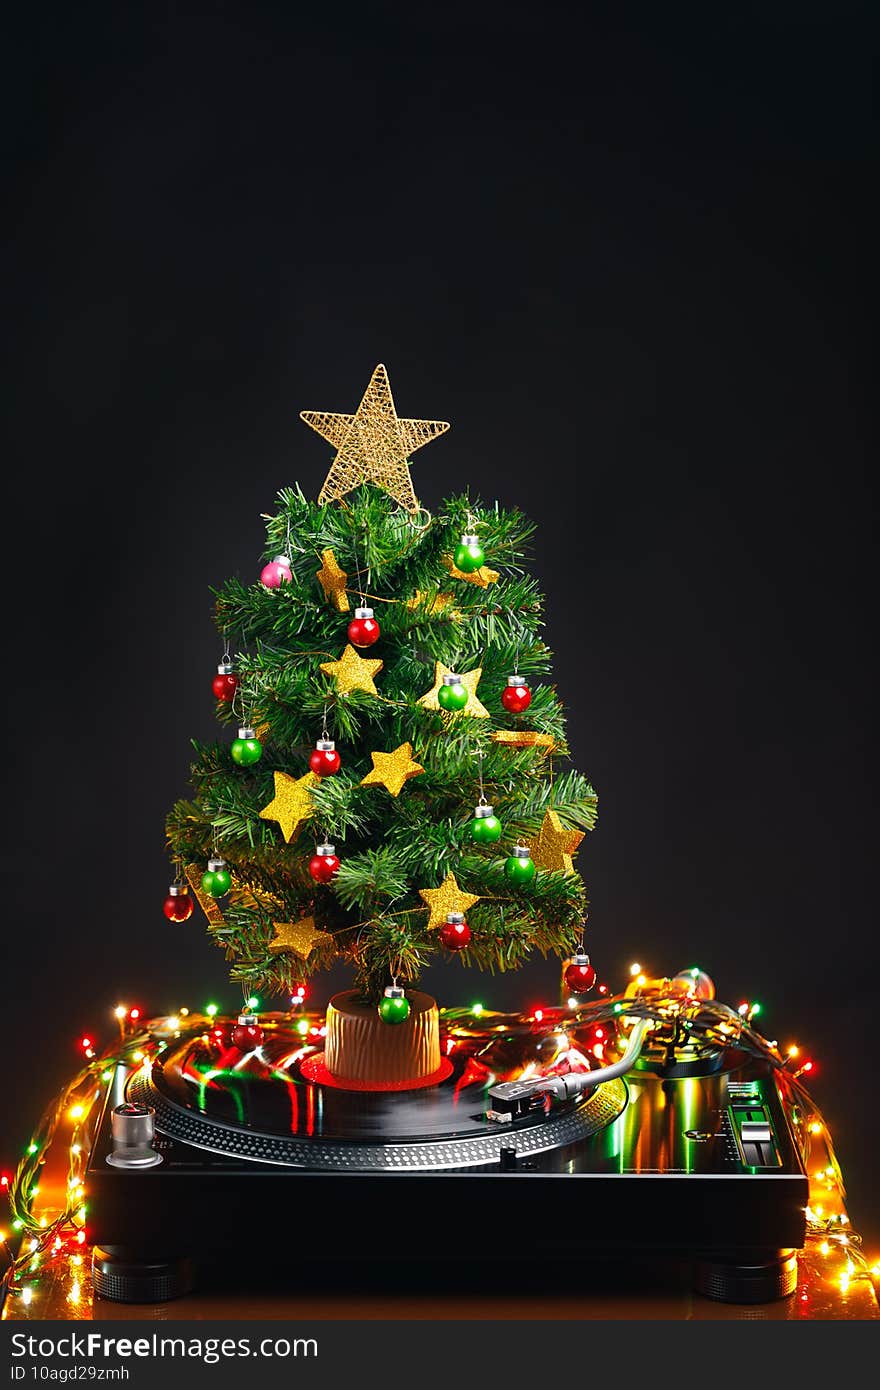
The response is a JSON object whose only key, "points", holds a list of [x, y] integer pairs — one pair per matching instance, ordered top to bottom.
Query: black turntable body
{"points": [[207, 1152]]}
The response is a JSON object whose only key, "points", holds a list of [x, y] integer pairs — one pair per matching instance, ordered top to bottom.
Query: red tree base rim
{"points": [[314, 1069]]}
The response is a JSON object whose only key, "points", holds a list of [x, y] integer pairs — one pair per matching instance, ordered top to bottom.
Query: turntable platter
{"points": [[261, 1106]]}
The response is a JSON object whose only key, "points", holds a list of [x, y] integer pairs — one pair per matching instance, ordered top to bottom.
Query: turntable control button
{"points": [[756, 1132]]}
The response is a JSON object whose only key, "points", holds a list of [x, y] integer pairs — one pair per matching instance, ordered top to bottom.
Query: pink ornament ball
{"points": [[276, 573]]}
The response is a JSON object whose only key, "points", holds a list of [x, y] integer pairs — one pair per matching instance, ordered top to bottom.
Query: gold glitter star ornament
{"points": [[373, 445], [333, 581], [353, 672], [469, 680], [391, 770], [292, 803], [555, 844], [447, 898], [298, 938]]}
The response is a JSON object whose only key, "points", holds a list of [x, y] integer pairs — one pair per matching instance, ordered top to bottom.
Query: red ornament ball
{"points": [[363, 630], [224, 685], [516, 696], [325, 760], [324, 865], [178, 907], [455, 935], [579, 977], [247, 1036]]}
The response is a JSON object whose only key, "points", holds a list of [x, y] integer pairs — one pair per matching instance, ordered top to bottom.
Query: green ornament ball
{"points": [[469, 556], [452, 698], [246, 751], [486, 830], [519, 871], [217, 882], [394, 1010]]}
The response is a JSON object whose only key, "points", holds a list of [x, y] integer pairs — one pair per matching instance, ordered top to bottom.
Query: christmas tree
{"points": [[394, 785]]}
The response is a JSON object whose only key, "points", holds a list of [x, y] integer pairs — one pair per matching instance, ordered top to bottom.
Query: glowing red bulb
{"points": [[603, 989], [135, 1013], [539, 1014], [600, 1033], [86, 1042], [808, 1066], [4, 1181]]}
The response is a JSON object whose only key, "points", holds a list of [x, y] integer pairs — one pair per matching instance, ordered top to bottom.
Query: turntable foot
{"points": [[124, 1276], [759, 1277]]}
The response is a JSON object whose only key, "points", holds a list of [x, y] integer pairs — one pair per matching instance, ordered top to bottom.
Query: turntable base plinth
{"points": [[360, 1047]]}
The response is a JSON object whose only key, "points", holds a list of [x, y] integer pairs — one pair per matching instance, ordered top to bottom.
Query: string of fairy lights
{"points": [[39, 1236]]}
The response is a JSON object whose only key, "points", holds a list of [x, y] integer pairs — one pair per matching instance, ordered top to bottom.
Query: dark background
{"points": [[627, 252]]}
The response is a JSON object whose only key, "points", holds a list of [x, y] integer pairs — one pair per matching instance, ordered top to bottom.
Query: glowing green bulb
{"points": [[252, 1004], [617, 1008], [756, 1008], [211, 1010], [476, 1010], [302, 1027], [106, 1075], [32, 1148]]}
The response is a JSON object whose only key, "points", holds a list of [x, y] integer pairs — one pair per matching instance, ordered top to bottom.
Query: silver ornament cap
{"points": [[469, 538], [281, 560], [363, 612], [224, 668], [451, 679], [516, 681], [246, 732], [325, 745], [483, 811], [325, 849], [521, 852], [215, 864], [178, 890], [455, 919], [580, 958], [393, 992], [248, 1020]]}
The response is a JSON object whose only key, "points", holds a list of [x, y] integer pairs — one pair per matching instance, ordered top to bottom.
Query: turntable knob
{"points": [[133, 1126]]}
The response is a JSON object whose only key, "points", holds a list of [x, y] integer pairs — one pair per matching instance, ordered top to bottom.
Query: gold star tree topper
{"points": [[373, 445], [333, 580], [353, 672], [469, 680], [391, 770], [292, 803], [555, 844], [447, 898], [298, 938]]}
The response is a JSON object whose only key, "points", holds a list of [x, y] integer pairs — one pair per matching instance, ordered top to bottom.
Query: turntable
{"points": [[570, 1136]]}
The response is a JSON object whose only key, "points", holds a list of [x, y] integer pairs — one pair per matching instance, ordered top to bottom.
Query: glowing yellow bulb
{"points": [[635, 969], [641, 980], [120, 1011], [184, 1013], [173, 1022], [793, 1050], [137, 1056], [76, 1112], [815, 1127], [75, 1149], [818, 1211], [2, 1235], [33, 1244], [824, 1248], [875, 1270], [26, 1296], [73, 1296]]}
